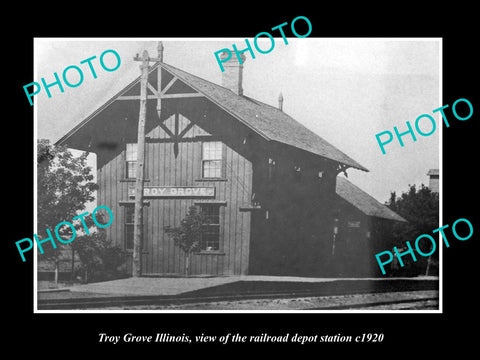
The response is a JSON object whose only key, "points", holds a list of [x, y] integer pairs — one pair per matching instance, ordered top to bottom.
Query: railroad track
{"points": [[226, 300], [99, 302], [407, 304]]}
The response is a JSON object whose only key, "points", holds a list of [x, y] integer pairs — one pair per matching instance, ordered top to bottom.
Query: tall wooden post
{"points": [[159, 78], [138, 214]]}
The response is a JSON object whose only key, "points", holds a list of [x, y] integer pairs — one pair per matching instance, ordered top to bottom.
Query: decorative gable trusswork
{"points": [[269, 122]]}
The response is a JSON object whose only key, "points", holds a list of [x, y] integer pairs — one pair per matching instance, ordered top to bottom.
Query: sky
{"points": [[345, 90]]}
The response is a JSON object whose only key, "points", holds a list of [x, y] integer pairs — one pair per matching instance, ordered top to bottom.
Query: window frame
{"points": [[220, 160], [129, 163], [127, 225], [211, 225]]}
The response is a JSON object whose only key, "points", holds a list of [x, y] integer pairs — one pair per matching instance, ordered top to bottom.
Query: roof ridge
{"points": [[198, 77], [231, 93], [261, 104], [267, 120], [383, 207]]}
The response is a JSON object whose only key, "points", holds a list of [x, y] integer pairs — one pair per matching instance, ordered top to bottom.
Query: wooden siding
{"points": [[162, 168], [296, 238], [356, 246]]}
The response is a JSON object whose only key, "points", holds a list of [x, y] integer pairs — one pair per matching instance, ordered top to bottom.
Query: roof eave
{"points": [[90, 117], [84, 122], [64, 139]]}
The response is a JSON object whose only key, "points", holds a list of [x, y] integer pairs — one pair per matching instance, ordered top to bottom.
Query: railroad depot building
{"points": [[266, 182], [361, 228]]}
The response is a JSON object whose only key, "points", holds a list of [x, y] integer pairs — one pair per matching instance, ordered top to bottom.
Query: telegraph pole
{"points": [[138, 215]]}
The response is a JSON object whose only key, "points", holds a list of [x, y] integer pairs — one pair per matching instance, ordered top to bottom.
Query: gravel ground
{"points": [[305, 303]]}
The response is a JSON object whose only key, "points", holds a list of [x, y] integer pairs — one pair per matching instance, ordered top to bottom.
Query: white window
{"points": [[212, 159], [131, 161], [211, 229]]}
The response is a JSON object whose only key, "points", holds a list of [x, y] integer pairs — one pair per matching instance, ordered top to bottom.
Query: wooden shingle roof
{"points": [[268, 121], [364, 202]]}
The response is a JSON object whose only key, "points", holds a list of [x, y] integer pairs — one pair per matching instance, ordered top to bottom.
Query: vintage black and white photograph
{"points": [[187, 175]]}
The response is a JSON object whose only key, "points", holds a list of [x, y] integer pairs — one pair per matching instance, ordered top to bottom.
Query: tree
{"points": [[64, 187], [420, 207], [189, 234], [99, 256]]}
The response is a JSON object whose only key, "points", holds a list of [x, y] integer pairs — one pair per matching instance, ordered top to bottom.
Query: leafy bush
{"points": [[420, 207], [189, 234], [101, 259]]}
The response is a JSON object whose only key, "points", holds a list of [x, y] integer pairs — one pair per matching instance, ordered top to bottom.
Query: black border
{"points": [[409, 334]]}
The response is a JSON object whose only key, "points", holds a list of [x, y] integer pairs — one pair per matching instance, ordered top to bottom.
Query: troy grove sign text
{"points": [[174, 191]]}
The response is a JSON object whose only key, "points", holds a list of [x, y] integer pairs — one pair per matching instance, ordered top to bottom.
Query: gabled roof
{"points": [[268, 121], [364, 202]]}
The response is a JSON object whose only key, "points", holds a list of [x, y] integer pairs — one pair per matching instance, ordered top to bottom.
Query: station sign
{"points": [[174, 192]]}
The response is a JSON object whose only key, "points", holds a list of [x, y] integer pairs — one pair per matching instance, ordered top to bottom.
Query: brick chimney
{"points": [[232, 77]]}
